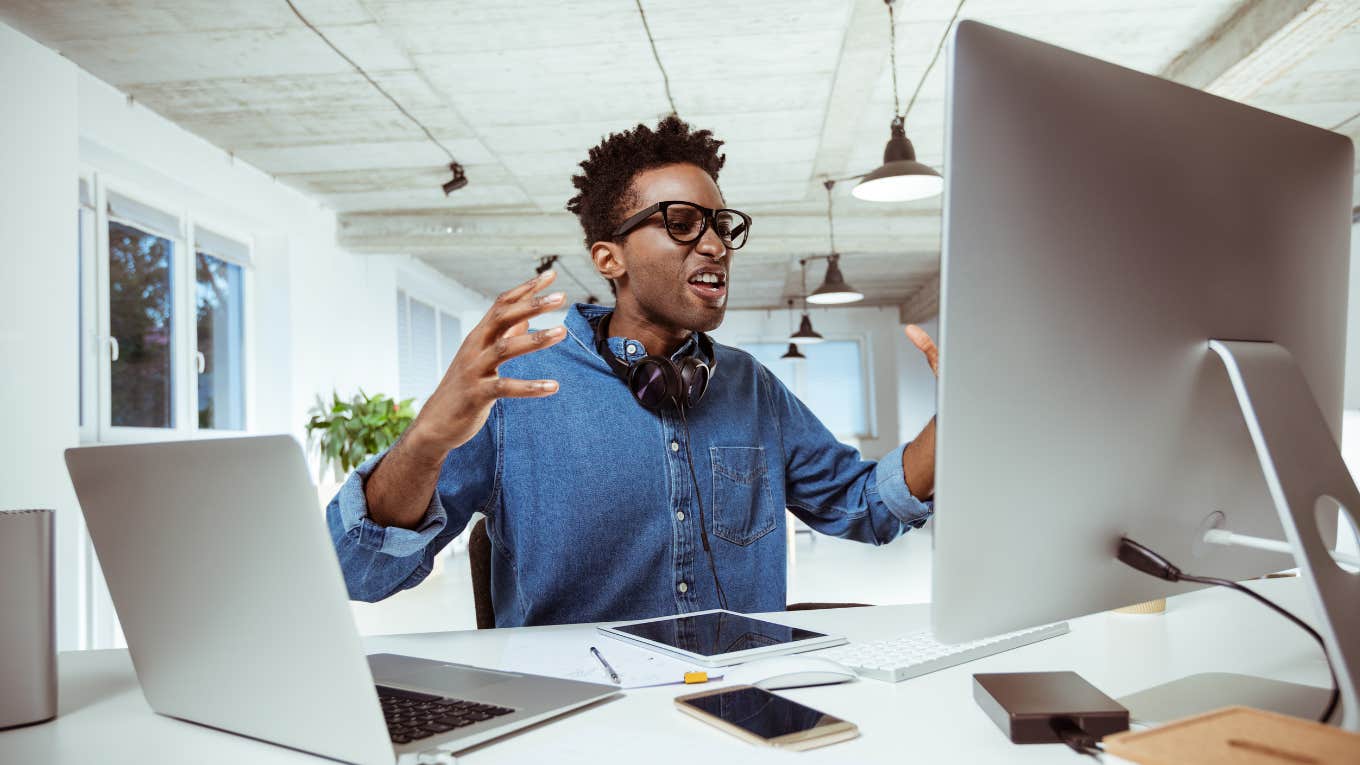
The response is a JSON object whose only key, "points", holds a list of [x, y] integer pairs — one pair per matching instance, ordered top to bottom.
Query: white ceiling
{"points": [[518, 92]]}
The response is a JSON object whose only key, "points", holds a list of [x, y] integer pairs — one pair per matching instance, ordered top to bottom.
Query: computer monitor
{"points": [[1100, 227]]}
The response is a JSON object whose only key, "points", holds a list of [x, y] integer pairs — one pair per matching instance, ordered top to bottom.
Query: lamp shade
{"points": [[900, 178], [834, 290], [805, 333], [793, 353]]}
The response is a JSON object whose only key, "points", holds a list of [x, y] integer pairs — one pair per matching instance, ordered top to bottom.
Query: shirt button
{"points": [[631, 349], [675, 446], [680, 515], [683, 587]]}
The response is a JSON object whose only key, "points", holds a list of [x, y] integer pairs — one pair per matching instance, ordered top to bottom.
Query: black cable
{"points": [[892, 54], [934, 58], [666, 80], [371, 81], [703, 522], [1149, 562], [1336, 688], [1076, 738]]}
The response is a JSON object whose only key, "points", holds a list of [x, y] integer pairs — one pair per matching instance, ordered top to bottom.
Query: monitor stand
{"points": [[1302, 464]]}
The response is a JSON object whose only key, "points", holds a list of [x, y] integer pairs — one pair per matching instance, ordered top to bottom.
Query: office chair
{"points": [[479, 560]]}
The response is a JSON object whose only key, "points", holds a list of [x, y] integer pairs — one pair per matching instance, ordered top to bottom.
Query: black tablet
{"points": [[720, 638]]}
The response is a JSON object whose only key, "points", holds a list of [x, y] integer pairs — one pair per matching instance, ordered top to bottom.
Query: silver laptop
{"points": [[234, 609]]}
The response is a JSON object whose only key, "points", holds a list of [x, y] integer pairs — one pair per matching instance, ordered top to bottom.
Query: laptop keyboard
{"points": [[412, 716]]}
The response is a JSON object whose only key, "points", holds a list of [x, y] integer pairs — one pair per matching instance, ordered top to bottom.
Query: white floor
{"points": [[824, 569]]}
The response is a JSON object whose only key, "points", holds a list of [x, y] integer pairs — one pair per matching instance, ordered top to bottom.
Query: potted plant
{"points": [[349, 432]]}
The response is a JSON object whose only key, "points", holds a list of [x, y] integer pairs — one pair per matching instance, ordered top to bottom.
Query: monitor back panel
{"points": [[1101, 226]]}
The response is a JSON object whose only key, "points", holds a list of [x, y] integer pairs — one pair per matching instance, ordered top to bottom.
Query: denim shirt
{"points": [[589, 502]]}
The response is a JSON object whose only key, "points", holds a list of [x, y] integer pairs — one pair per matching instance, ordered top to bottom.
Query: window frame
{"points": [[866, 371], [96, 383]]}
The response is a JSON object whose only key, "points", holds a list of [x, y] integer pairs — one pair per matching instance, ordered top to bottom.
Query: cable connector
{"points": [[1147, 561]]}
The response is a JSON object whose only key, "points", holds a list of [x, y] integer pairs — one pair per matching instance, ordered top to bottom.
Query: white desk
{"points": [[930, 719]]}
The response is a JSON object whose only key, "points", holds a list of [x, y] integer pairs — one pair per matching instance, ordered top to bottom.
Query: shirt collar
{"points": [[583, 317]]}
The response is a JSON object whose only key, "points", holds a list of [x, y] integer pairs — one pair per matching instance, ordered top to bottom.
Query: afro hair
{"points": [[605, 185]]}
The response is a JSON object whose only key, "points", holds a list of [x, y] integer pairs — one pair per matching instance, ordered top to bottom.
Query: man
{"points": [[590, 497]]}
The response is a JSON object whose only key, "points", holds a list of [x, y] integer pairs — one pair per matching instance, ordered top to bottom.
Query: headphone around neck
{"points": [[656, 382]]}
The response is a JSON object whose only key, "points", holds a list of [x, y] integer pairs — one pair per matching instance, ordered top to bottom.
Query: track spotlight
{"points": [[458, 181]]}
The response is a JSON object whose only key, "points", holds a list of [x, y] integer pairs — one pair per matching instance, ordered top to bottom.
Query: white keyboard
{"points": [[918, 653]]}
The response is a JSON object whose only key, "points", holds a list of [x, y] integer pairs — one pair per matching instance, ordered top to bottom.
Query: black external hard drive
{"points": [[1024, 705]]}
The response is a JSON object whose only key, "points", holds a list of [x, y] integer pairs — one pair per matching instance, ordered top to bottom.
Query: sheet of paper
{"points": [[566, 654]]}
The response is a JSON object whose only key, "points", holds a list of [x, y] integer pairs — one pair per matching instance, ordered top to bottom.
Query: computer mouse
{"points": [[795, 671]]}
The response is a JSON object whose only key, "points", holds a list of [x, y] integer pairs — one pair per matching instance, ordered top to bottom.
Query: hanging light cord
{"points": [[892, 55], [933, 58], [664, 79], [372, 82], [830, 221]]}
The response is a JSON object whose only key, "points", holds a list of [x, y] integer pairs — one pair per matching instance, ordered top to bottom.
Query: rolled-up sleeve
{"points": [[831, 488], [893, 491], [388, 540], [378, 561]]}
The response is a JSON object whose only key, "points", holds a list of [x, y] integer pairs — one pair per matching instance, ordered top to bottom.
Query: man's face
{"points": [[665, 279]]}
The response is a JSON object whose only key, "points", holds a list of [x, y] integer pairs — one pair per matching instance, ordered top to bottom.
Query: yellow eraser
{"points": [[695, 677]]}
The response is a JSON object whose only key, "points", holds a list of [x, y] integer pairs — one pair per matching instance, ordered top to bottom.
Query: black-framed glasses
{"points": [[686, 222]]}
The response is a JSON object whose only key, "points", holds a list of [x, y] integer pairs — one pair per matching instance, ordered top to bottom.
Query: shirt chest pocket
{"points": [[743, 510]]}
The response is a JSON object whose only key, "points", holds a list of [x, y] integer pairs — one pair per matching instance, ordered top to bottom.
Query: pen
{"points": [[612, 674]]}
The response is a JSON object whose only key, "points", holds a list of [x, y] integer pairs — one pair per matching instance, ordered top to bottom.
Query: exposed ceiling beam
{"points": [[1260, 42], [435, 231]]}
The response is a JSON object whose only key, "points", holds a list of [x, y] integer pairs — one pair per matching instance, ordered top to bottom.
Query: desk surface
{"points": [[104, 718]]}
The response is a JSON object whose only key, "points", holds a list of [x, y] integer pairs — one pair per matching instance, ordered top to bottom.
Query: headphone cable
{"points": [[703, 522]]}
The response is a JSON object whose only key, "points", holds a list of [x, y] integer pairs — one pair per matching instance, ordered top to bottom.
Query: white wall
{"points": [[320, 317], [38, 359], [900, 380]]}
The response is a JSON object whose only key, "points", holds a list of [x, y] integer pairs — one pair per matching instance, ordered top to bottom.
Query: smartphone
{"points": [[760, 717]]}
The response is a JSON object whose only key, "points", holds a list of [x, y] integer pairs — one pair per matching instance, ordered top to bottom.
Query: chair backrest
{"points": [[479, 560]]}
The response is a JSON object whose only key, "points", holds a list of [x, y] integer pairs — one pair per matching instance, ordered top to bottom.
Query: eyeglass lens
{"points": [[685, 223]]}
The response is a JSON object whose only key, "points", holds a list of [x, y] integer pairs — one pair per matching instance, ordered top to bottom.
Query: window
{"points": [[141, 296], [219, 313], [163, 321], [427, 339], [831, 382]]}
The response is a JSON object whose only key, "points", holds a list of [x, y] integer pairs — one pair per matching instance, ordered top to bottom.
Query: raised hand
{"points": [[922, 341], [460, 405]]}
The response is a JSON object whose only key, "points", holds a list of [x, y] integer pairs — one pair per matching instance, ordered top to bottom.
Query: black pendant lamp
{"points": [[900, 178], [834, 289], [805, 333], [793, 352]]}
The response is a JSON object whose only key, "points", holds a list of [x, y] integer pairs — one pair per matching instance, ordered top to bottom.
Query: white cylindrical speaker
{"points": [[28, 640]]}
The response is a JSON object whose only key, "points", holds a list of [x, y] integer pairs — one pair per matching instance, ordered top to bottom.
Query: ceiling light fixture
{"points": [[901, 178], [458, 181], [834, 289], [805, 333], [793, 353]]}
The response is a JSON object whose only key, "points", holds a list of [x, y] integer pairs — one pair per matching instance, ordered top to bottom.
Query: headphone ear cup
{"points": [[694, 377], [655, 383]]}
